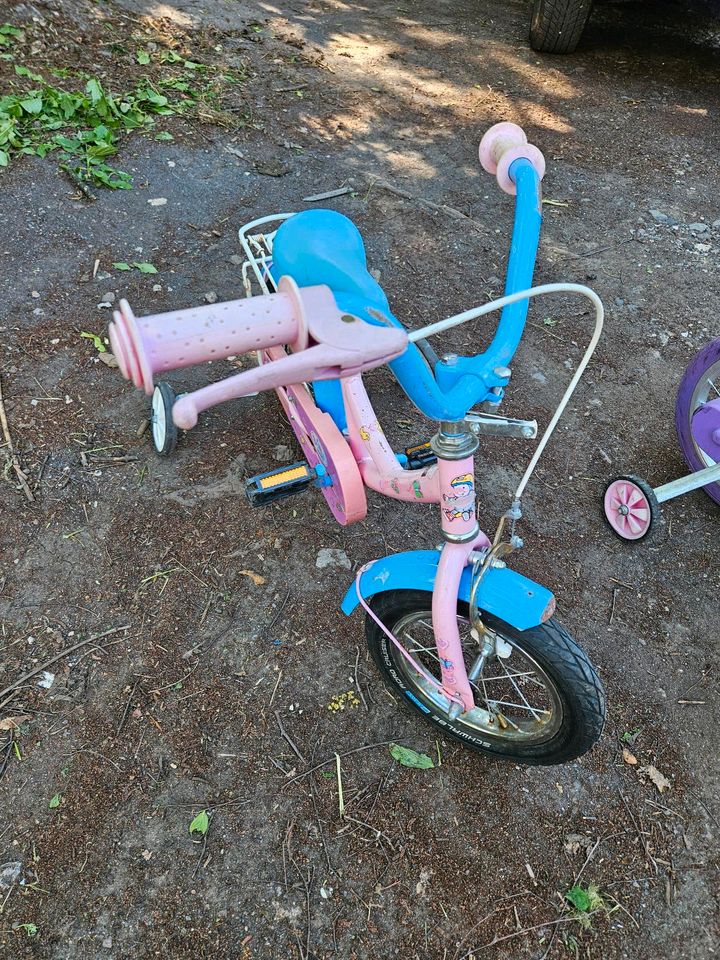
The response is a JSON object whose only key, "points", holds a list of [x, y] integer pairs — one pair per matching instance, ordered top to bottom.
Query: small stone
{"points": [[272, 168], [158, 202], [659, 216], [716, 224], [698, 228], [702, 247], [236, 260], [157, 287], [35, 295], [108, 297], [211, 297], [540, 377], [282, 453], [329, 557], [9, 873], [107, 943]]}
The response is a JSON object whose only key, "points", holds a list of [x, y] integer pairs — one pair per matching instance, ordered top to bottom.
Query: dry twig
{"points": [[11, 449], [58, 656]]}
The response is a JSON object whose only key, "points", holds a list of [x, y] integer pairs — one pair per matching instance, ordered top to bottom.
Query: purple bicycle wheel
{"points": [[700, 383]]}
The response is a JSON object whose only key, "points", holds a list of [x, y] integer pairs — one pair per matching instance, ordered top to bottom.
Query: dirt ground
{"points": [[214, 628]]}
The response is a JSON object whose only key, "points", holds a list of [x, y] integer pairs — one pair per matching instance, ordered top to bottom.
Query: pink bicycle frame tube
{"points": [[376, 459], [457, 488]]}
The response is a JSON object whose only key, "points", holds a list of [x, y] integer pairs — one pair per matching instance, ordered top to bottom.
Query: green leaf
{"points": [[143, 57], [21, 71], [95, 90], [32, 105], [164, 135], [4, 158], [122, 266], [145, 267], [97, 341], [410, 758], [55, 802], [200, 824], [579, 898], [29, 928]]}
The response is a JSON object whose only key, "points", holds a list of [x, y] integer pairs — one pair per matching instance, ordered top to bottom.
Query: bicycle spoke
{"points": [[522, 695], [520, 706], [507, 709]]}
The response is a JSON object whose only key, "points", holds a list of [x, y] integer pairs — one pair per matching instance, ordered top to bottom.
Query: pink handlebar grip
{"points": [[501, 145], [180, 338]]}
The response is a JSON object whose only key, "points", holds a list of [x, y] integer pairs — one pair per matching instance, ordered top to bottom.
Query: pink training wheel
{"points": [[630, 507]]}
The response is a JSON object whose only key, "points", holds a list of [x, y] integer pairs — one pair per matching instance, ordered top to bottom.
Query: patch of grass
{"points": [[72, 115], [82, 126], [586, 901]]}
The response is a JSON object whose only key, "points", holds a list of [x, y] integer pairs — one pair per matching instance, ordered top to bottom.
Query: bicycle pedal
{"points": [[421, 455], [277, 484]]}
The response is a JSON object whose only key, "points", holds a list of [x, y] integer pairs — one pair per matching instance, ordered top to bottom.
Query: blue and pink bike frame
{"points": [[321, 319]]}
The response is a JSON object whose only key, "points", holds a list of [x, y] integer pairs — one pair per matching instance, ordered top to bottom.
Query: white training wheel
{"points": [[164, 431]]}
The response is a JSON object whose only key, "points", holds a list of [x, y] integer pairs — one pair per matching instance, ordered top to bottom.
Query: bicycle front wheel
{"points": [[541, 703]]}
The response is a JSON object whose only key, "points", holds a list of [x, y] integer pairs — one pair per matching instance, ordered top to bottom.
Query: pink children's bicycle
{"points": [[631, 505], [468, 643]]}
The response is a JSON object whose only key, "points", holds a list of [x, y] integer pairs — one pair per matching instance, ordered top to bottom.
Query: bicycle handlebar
{"points": [[501, 145], [180, 338], [326, 343]]}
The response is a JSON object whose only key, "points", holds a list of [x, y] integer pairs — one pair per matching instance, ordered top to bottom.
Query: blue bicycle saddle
{"points": [[325, 247]]}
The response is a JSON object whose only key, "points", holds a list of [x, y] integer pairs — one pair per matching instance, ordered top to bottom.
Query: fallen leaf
{"points": [[97, 341], [108, 359], [255, 577], [12, 723], [628, 757], [410, 758], [660, 781], [55, 802], [200, 824], [575, 842]]}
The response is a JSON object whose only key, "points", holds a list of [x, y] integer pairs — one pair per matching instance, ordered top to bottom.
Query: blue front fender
{"points": [[503, 592]]}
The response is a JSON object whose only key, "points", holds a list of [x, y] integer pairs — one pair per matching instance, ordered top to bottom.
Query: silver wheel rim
{"points": [[707, 388], [159, 419], [516, 701]]}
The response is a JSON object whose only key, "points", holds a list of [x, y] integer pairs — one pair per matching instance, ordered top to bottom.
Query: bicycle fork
{"points": [[455, 446]]}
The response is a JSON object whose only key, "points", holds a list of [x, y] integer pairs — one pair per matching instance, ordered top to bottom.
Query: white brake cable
{"points": [[499, 304]]}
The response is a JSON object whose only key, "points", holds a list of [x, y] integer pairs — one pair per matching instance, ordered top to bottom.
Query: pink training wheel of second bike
{"points": [[631, 507]]}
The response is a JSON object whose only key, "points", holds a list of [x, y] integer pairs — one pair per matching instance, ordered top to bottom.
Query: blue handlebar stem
{"points": [[323, 246]]}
